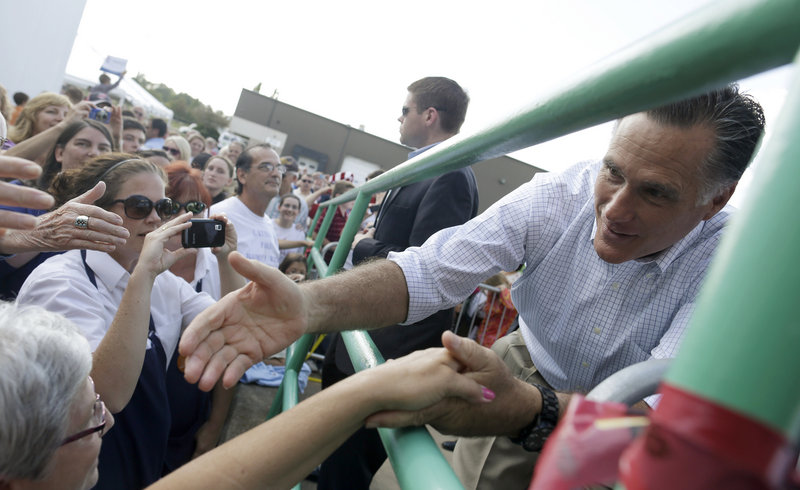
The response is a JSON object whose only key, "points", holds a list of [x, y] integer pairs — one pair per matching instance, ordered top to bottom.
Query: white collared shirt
{"points": [[60, 284]]}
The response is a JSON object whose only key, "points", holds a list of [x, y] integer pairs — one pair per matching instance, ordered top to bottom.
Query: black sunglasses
{"points": [[406, 110], [174, 151], [140, 207], [194, 207]]}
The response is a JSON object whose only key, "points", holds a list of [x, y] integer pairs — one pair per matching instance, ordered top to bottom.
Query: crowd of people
{"points": [[119, 345]]}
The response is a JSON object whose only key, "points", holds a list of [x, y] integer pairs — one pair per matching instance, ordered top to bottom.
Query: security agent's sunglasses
{"points": [[406, 110], [140, 207]]}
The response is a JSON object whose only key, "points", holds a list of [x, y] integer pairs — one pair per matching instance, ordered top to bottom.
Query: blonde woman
{"points": [[40, 113], [178, 148]]}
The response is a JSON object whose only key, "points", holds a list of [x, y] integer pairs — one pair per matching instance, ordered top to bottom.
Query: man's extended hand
{"points": [[245, 327], [514, 405]]}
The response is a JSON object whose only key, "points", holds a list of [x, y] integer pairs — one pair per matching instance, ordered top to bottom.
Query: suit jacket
{"points": [[408, 216]]}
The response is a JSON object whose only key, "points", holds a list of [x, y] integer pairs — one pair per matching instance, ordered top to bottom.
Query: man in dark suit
{"points": [[434, 111]]}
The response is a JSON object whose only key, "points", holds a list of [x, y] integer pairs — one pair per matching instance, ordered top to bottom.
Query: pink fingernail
{"points": [[488, 394]]}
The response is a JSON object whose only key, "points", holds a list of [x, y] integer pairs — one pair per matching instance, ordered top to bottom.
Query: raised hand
{"points": [[57, 230], [155, 256]]}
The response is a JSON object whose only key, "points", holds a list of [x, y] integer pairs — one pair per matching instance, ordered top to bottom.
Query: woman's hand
{"points": [[78, 111], [56, 230], [230, 238], [155, 257]]}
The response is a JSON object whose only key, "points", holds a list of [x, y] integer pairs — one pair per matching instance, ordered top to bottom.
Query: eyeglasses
{"points": [[173, 151], [268, 167], [307, 181], [140, 207], [194, 207], [98, 422]]}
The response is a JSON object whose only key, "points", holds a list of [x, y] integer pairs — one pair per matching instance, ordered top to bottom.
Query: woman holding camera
{"points": [[129, 308], [197, 416]]}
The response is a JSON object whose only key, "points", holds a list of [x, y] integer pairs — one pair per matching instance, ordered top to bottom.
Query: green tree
{"points": [[186, 109]]}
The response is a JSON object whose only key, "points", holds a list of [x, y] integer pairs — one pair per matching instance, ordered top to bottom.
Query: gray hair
{"points": [[738, 124], [45, 362]]}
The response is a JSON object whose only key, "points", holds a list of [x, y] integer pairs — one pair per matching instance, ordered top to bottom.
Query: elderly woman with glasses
{"points": [[130, 309], [52, 419]]}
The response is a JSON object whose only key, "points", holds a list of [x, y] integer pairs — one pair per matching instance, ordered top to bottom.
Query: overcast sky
{"points": [[351, 61]]}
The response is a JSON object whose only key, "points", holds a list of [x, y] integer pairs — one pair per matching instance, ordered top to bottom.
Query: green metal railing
{"points": [[724, 42]]}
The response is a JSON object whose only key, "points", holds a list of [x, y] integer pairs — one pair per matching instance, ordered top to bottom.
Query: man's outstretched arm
{"points": [[271, 312]]}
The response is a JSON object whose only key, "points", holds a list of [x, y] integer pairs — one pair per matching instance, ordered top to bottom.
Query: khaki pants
{"points": [[496, 462]]}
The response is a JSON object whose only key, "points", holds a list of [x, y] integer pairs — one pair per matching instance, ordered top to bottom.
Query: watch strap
{"points": [[533, 436]]}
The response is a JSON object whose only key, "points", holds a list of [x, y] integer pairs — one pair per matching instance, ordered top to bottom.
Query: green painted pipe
{"points": [[350, 229], [741, 349]]}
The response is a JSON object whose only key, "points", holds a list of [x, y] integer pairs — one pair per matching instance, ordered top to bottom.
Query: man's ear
{"points": [[431, 116], [241, 175], [719, 201]]}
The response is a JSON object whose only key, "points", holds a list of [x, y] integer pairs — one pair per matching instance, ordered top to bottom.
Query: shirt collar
{"points": [[422, 150], [664, 258], [107, 270]]}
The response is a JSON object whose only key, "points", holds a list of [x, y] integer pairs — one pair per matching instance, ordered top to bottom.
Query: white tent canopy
{"points": [[129, 90]]}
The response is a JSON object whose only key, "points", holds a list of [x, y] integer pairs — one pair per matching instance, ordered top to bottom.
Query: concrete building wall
{"points": [[37, 39]]}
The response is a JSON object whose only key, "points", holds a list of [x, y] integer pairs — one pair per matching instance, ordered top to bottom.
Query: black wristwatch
{"points": [[533, 435]]}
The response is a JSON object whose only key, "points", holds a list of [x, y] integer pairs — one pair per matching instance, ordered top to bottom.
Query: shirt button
{"points": [[615, 285], [596, 330]]}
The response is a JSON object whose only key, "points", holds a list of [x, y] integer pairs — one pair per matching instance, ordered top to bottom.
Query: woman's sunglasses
{"points": [[173, 151], [140, 207], [194, 207]]}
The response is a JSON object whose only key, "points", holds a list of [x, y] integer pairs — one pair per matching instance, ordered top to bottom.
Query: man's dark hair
{"points": [[104, 79], [73, 93], [446, 96], [20, 98], [130, 123], [738, 123], [160, 125], [245, 160], [200, 161]]}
